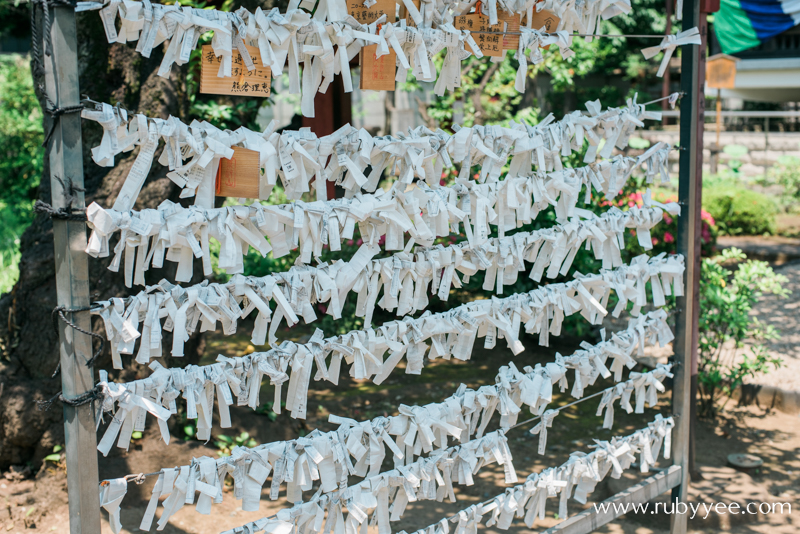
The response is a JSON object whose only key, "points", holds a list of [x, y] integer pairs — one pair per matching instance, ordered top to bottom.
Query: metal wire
{"points": [[609, 35]]}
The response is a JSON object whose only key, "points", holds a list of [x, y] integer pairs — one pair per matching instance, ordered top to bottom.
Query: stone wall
{"points": [[763, 151]]}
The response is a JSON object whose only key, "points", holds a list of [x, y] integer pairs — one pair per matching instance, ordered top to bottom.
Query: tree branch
{"points": [[477, 93], [422, 107]]}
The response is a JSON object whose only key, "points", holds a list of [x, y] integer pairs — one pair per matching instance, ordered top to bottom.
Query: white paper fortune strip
{"points": [[306, 42], [192, 153], [179, 234], [403, 278], [325, 457], [577, 477]]}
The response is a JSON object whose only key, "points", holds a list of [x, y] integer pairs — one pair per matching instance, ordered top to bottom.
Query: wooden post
{"points": [[665, 82], [332, 110], [719, 114], [690, 198], [72, 274]]}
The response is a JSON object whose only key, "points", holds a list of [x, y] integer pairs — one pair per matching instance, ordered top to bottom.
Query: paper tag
{"points": [[368, 15], [377, 74], [243, 82], [239, 176]]}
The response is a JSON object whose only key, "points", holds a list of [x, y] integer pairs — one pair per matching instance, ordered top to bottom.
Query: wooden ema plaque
{"points": [[368, 15], [546, 19], [491, 44], [377, 73], [242, 82], [240, 176]]}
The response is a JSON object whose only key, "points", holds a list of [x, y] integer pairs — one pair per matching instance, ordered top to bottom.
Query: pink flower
{"points": [[705, 216], [667, 219], [668, 238], [382, 240], [655, 241], [350, 242], [360, 242]]}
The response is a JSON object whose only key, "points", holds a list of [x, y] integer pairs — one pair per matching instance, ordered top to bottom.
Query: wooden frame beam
{"points": [[646, 490]]}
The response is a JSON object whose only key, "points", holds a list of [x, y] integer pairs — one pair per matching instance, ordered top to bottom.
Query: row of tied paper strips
{"points": [[321, 45], [193, 153], [424, 212], [404, 278], [451, 334], [158, 394], [325, 457], [576, 478]]}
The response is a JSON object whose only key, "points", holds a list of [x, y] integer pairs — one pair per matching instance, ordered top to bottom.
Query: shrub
{"points": [[786, 173], [739, 211], [726, 299]]}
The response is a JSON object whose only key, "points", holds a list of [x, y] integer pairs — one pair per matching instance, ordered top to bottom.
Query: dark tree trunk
{"points": [[110, 73]]}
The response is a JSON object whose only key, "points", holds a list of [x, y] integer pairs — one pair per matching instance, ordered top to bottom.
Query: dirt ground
{"points": [[39, 504]]}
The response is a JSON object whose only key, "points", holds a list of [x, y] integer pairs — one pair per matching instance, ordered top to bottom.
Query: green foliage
{"points": [[638, 143], [735, 152], [21, 155], [786, 174], [740, 211], [726, 326], [266, 409], [225, 444], [56, 456]]}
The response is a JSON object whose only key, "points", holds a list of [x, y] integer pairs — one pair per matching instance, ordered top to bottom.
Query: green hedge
{"points": [[739, 211]]}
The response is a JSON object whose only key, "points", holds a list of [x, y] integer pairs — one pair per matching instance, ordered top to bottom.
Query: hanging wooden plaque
{"points": [[368, 15], [546, 19], [491, 44], [377, 73], [242, 82], [240, 176]]}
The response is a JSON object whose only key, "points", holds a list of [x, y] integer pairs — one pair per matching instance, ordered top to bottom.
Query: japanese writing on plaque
{"points": [[368, 15], [491, 44], [377, 73], [244, 82]]}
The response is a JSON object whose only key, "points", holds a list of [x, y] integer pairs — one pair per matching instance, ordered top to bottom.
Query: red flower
{"points": [[705, 216], [668, 238]]}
